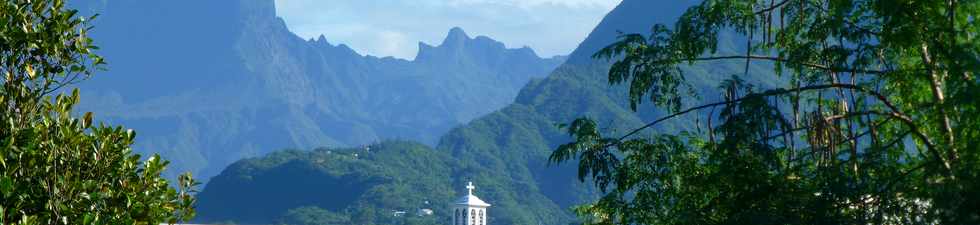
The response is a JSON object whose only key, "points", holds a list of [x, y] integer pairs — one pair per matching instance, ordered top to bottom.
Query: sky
{"points": [[395, 27]]}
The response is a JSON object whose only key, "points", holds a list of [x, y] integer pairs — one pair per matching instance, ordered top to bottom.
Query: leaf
{"points": [[30, 71], [75, 97], [87, 120], [130, 134], [6, 186], [88, 219]]}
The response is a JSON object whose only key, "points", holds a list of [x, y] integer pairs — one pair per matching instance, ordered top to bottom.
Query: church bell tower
{"points": [[469, 210]]}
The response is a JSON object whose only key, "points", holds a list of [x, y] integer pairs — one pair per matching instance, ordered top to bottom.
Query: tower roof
{"points": [[470, 199]]}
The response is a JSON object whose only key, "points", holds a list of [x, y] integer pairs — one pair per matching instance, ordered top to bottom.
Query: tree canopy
{"points": [[876, 124], [56, 168]]}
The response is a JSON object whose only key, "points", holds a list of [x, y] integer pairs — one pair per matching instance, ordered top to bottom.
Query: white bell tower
{"points": [[469, 210]]}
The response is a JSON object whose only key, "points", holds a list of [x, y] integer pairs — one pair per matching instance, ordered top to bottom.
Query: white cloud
{"points": [[392, 27], [393, 43]]}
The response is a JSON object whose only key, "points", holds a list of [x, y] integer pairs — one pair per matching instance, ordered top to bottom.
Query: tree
{"points": [[877, 124], [56, 168], [312, 215]]}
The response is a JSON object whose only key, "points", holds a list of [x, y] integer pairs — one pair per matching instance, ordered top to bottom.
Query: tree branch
{"points": [[771, 8], [777, 59], [936, 85], [755, 95], [895, 113]]}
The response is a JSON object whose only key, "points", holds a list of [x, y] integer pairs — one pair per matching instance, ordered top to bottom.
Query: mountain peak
{"points": [[630, 16], [456, 36], [323, 40], [459, 45]]}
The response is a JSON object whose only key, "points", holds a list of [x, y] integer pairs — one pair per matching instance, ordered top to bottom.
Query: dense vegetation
{"points": [[252, 86], [878, 124], [520, 137], [506, 152], [56, 168], [350, 185]]}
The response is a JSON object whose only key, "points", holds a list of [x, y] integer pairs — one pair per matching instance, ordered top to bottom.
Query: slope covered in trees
{"points": [[211, 82], [527, 131], [506, 152], [354, 185], [364, 185]]}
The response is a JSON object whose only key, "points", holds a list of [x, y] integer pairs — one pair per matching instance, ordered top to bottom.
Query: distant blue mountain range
{"points": [[206, 83], [207, 90], [505, 152]]}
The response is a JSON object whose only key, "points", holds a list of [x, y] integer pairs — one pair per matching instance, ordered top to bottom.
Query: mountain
{"points": [[206, 83], [506, 152], [353, 185], [363, 185], [366, 185]]}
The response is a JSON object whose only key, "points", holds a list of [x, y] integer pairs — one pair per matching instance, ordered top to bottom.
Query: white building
{"points": [[469, 210], [425, 212]]}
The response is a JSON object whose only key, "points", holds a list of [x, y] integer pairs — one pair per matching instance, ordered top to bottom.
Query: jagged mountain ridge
{"points": [[206, 83], [526, 131], [506, 152]]}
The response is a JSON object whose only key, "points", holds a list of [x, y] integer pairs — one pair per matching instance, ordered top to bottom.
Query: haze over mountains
{"points": [[206, 83], [245, 86], [505, 153]]}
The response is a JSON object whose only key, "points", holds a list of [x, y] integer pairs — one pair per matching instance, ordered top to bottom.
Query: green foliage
{"points": [[878, 124], [504, 153], [56, 168], [389, 176], [333, 185], [313, 216]]}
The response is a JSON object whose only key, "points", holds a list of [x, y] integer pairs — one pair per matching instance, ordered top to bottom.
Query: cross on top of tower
{"points": [[470, 187], [469, 209]]}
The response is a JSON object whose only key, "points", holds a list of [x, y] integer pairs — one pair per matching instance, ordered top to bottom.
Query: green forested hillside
{"points": [[527, 131], [505, 153], [356, 185], [363, 185]]}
